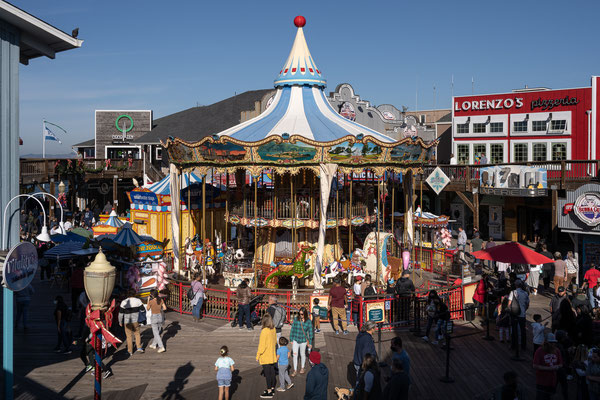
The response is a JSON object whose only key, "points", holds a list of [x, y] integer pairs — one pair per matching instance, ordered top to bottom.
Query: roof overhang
{"points": [[38, 38]]}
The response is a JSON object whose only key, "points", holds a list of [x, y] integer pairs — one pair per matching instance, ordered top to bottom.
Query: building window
{"points": [[422, 119], [558, 125], [520, 126], [539, 126], [496, 127], [462, 128], [479, 128], [478, 150], [559, 151], [521, 152], [539, 152], [158, 153], [496, 153], [462, 155]]}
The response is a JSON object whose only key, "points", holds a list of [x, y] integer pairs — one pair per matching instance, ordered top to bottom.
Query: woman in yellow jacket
{"points": [[266, 354]]}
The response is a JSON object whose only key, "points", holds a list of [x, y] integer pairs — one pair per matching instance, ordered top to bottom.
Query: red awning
{"points": [[513, 253]]}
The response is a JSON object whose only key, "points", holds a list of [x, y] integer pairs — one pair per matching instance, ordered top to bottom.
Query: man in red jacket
{"points": [[591, 277]]}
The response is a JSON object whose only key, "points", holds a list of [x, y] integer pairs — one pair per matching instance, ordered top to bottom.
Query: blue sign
{"points": [[143, 197], [20, 266]]}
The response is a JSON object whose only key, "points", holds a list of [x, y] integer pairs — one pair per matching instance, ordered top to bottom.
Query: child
{"points": [[316, 315], [503, 321], [538, 332], [283, 354], [224, 368]]}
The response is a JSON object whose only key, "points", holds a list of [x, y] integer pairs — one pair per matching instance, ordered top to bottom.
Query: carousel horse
{"points": [[189, 253], [239, 254], [228, 257], [296, 269], [162, 276]]}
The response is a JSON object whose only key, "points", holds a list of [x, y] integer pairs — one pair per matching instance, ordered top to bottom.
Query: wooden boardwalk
{"points": [[186, 369]]}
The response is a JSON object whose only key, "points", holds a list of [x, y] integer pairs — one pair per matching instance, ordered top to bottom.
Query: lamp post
{"points": [[61, 224], [99, 281], [8, 301]]}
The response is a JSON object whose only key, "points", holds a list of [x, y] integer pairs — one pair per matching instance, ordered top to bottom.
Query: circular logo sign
{"points": [[347, 111], [388, 115], [123, 125], [587, 208], [20, 266]]}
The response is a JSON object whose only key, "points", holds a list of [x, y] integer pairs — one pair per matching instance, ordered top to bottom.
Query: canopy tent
{"points": [[163, 187], [111, 225], [127, 236], [68, 237], [64, 251], [513, 253]]}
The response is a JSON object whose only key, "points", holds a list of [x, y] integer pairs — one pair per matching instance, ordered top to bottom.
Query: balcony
{"points": [[40, 170]]}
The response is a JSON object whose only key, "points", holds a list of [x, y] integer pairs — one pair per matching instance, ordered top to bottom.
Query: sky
{"points": [[170, 56]]}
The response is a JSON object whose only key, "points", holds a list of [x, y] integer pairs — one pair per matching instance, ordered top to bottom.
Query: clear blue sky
{"points": [[170, 56]]}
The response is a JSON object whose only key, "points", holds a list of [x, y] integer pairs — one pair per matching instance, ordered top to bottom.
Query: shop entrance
{"points": [[534, 222]]}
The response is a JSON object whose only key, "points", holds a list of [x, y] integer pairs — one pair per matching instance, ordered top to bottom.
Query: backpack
{"points": [[370, 291], [190, 294], [515, 307], [322, 312], [278, 316]]}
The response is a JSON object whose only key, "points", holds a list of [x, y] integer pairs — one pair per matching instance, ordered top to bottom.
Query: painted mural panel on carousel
{"points": [[220, 152], [287, 152], [354, 152], [406, 153]]}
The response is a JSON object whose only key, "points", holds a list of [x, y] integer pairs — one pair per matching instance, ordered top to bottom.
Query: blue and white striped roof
{"points": [[300, 106], [163, 187], [113, 220], [127, 236]]}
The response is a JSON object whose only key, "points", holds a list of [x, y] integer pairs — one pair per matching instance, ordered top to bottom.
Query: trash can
{"points": [[469, 311]]}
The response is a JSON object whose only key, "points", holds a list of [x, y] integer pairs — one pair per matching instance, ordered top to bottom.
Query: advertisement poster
{"points": [[514, 176], [495, 222], [323, 302], [376, 311]]}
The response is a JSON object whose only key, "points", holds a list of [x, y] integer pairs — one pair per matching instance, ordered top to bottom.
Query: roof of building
{"points": [[37, 38], [445, 118], [195, 123], [87, 143]]}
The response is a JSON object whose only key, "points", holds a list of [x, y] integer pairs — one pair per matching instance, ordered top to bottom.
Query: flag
{"points": [[49, 135]]}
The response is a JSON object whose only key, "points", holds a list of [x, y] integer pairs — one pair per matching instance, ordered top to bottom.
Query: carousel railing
{"points": [[283, 209], [403, 310]]}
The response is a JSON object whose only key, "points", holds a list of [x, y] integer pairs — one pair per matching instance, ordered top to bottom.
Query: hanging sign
{"points": [[438, 180], [587, 208], [20, 266], [376, 312]]}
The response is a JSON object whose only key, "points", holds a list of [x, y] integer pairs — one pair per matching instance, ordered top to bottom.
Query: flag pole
{"points": [[43, 138]]}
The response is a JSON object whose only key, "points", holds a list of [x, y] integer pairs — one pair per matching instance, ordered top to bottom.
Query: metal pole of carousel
{"points": [[255, 180], [393, 209], [180, 227], [204, 228], [377, 230], [421, 231], [351, 242]]}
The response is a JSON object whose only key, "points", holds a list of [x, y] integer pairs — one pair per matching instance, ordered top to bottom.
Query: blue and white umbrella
{"points": [[163, 187], [113, 220], [127, 236], [69, 237], [64, 251]]}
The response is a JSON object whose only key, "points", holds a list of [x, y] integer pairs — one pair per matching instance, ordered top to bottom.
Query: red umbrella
{"points": [[513, 253]]}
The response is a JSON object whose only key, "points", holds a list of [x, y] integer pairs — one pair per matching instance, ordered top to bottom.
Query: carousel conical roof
{"points": [[300, 106]]}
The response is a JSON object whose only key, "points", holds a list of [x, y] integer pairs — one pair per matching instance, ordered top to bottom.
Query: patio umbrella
{"points": [[82, 232], [69, 237], [127, 237], [64, 251], [513, 253]]}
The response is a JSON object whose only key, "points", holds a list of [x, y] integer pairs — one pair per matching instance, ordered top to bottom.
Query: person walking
{"points": [[107, 208], [462, 239], [476, 243], [488, 246], [547, 268], [560, 271], [572, 271], [592, 275], [533, 279], [405, 289], [243, 294], [558, 298], [198, 299], [22, 300], [337, 303], [156, 305], [129, 310], [431, 310], [443, 316], [62, 318], [518, 322], [301, 336], [364, 345], [399, 354], [266, 355], [283, 362], [546, 362], [224, 368], [317, 379], [369, 381], [398, 385]]}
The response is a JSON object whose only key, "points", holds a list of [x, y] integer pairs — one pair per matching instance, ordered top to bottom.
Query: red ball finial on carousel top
{"points": [[299, 21]]}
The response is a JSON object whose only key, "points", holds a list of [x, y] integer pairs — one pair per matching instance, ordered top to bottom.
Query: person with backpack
{"points": [[405, 289], [243, 294], [196, 296], [518, 305], [431, 310], [129, 311], [278, 315], [62, 317], [369, 381]]}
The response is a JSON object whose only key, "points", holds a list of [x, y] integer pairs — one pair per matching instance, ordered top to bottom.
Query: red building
{"points": [[536, 124]]}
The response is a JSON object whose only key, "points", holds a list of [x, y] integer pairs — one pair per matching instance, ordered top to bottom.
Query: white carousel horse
{"points": [[239, 254], [334, 269]]}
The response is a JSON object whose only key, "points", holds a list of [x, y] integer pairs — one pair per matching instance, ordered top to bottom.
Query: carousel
{"points": [[318, 189]]}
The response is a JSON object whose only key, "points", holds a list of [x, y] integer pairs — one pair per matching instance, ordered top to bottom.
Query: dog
{"points": [[343, 394]]}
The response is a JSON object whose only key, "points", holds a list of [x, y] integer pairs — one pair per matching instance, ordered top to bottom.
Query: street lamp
{"points": [[61, 224], [43, 236], [99, 281]]}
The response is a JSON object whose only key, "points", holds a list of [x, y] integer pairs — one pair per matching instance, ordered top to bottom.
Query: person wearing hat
{"points": [[390, 288], [558, 298], [364, 345], [546, 362], [317, 378]]}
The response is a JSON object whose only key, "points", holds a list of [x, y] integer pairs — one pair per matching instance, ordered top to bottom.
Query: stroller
{"points": [[254, 317]]}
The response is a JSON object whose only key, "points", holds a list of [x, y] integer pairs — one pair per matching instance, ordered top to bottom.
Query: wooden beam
{"points": [[466, 200], [476, 211]]}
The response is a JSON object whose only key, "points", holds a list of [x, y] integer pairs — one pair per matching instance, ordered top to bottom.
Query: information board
{"points": [[376, 311]]}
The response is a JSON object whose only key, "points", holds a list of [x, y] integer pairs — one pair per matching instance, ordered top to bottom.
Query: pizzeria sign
{"points": [[586, 208]]}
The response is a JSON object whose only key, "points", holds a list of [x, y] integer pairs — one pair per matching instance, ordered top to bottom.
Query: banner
{"points": [[513, 177], [495, 222]]}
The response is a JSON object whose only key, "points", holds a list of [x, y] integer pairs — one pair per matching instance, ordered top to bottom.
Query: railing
{"points": [[42, 169], [561, 171], [283, 209], [408, 310]]}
